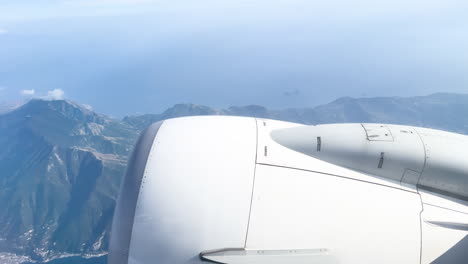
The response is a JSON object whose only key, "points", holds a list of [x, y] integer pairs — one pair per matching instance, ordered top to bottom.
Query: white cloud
{"points": [[28, 92], [56, 94], [87, 107]]}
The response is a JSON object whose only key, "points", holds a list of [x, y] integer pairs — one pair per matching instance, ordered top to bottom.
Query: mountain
{"points": [[441, 111], [142, 121], [61, 164], [61, 167]]}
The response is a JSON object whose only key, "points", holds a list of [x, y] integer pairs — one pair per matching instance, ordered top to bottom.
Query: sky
{"points": [[125, 57]]}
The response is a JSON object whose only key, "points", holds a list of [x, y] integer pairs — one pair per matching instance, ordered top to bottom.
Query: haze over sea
{"points": [[139, 56]]}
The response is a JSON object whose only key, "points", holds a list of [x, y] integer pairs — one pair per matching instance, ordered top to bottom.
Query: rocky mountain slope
{"points": [[61, 164], [60, 169]]}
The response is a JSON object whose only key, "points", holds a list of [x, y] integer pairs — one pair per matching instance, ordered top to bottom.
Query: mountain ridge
{"points": [[393, 110], [60, 162]]}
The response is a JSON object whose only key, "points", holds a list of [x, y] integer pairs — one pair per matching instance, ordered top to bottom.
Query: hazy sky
{"points": [[134, 56]]}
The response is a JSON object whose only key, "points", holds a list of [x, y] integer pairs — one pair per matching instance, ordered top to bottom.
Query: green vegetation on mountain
{"points": [[61, 167]]}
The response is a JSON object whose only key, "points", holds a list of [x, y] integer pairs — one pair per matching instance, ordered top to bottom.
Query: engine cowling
{"points": [[246, 190]]}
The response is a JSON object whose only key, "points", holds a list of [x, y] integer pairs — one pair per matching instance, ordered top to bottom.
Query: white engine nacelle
{"points": [[243, 190]]}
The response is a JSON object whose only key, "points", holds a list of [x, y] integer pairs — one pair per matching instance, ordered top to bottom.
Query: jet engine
{"points": [[240, 190]]}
